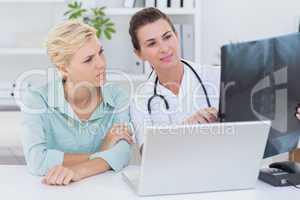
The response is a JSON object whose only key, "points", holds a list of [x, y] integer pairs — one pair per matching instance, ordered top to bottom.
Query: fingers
{"points": [[298, 112], [213, 114], [207, 115], [201, 117], [121, 127], [117, 132], [125, 136], [59, 175], [68, 178], [53, 179]]}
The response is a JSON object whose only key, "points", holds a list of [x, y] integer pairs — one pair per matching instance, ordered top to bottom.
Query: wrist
{"points": [[78, 173]]}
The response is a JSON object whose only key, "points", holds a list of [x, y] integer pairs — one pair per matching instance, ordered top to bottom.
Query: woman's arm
{"points": [[114, 158], [40, 159], [75, 159], [61, 175]]}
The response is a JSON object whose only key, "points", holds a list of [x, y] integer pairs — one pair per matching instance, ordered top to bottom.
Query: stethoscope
{"points": [[165, 100]]}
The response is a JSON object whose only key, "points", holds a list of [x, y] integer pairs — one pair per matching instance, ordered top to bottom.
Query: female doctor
{"points": [[177, 91]]}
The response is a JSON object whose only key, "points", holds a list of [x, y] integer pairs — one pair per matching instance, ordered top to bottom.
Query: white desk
{"points": [[17, 183]]}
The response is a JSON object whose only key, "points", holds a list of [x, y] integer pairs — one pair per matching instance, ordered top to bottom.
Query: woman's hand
{"points": [[298, 111], [207, 115], [116, 133], [61, 175]]}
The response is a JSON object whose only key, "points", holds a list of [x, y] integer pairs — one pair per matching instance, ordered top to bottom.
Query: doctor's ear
{"points": [[176, 34], [139, 54]]}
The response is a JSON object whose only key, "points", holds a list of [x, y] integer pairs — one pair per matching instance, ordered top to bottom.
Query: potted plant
{"points": [[95, 17]]}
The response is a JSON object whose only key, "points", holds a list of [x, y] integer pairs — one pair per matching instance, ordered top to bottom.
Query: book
{"points": [[129, 3], [150, 3], [175, 3], [188, 3], [162, 4], [178, 29], [188, 41]]}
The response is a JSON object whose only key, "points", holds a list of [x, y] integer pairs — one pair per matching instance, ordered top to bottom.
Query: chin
{"points": [[167, 65]]}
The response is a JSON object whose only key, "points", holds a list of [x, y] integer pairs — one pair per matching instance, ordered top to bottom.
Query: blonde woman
{"points": [[82, 130]]}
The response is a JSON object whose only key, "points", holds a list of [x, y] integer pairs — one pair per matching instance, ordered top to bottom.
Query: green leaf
{"points": [[95, 17], [106, 20], [110, 24], [111, 30], [99, 31], [107, 34]]}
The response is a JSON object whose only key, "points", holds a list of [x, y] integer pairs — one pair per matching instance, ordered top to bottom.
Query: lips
{"points": [[167, 58]]}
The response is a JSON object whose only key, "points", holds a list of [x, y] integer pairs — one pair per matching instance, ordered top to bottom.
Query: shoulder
{"points": [[207, 72], [34, 98]]}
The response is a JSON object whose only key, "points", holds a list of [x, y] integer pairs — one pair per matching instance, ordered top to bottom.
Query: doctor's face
{"points": [[159, 44]]}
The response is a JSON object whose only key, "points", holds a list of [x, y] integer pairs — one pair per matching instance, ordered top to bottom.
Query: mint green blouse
{"points": [[51, 128]]}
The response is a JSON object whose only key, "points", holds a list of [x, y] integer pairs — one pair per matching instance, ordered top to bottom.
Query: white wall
{"points": [[225, 21]]}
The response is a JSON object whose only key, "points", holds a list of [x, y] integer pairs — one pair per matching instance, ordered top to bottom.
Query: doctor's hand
{"points": [[298, 112], [207, 115], [116, 133], [60, 175]]}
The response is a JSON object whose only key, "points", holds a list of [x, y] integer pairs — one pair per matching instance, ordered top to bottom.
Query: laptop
{"points": [[199, 158]]}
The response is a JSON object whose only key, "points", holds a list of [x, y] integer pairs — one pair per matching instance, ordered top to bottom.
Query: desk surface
{"points": [[17, 183]]}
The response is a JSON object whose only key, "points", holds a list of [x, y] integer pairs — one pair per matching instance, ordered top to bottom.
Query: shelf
{"points": [[32, 1], [114, 11], [131, 11], [22, 51]]}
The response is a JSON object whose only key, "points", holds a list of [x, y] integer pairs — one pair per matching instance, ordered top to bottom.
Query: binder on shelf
{"points": [[129, 3], [150, 3], [169, 3], [175, 3], [188, 3], [162, 4], [178, 29], [188, 41]]}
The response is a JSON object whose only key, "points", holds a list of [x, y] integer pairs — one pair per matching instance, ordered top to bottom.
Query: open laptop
{"points": [[199, 158]]}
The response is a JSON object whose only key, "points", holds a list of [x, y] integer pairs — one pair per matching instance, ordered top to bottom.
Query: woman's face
{"points": [[159, 45], [87, 65]]}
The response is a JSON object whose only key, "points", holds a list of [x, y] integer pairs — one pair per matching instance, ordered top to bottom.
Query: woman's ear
{"points": [[63, 69]]}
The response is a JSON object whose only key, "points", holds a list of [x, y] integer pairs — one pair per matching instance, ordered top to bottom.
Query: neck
{"points": [[171, 79], [83, 98]]}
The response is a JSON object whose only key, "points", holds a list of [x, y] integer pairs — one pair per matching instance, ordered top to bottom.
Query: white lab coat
{"points": [[190, 99]]}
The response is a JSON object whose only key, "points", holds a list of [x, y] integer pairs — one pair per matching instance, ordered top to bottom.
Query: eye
{"points": [[168, 37], [151, 44], [101, 51], [88, 60]]}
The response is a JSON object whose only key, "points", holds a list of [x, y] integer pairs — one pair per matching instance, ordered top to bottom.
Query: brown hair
{"points": [[142, 18]]}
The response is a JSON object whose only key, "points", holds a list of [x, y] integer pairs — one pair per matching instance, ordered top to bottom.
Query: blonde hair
{"points": [[65, 39]]}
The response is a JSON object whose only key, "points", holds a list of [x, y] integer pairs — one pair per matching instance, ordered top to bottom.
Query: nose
{"points": [[163, 47], [100, 62]]}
